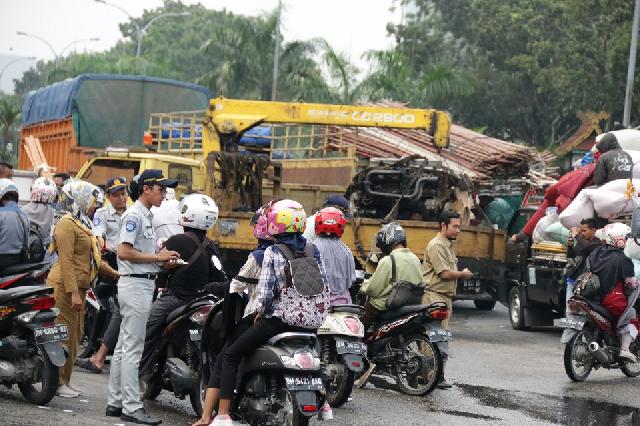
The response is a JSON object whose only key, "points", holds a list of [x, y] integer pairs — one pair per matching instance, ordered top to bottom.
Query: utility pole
{"points": [[276, 54], [626, 120]]}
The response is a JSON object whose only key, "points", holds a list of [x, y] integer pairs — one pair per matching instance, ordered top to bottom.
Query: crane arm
{"points": [[231, 116]]}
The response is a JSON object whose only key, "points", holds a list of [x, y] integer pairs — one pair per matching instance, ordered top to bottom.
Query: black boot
{"points": [[442, 383]]}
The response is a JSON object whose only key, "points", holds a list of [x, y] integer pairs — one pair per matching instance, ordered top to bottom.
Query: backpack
{"points": [[587, 285], [403, 292], [304, 299]]}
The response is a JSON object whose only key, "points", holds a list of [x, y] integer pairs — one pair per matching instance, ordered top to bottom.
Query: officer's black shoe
{"points": [[443, 384], [113, 411], [140, 417]]}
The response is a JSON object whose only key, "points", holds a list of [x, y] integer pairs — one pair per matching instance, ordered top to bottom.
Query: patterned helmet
{"points": [[6, 186], [44, 191], [170, 194], [286, 216], [330, 221], [259, 223], [615, 234], [390, 235]]}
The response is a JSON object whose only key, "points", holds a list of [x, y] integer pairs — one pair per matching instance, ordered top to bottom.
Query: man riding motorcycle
{"points": [[14, 226], [392, 240], [617, 279], [184, 282]]}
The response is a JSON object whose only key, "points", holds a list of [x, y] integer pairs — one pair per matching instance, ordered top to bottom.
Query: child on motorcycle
{"points": [[337, 257], [617, 279], [274, 315]]}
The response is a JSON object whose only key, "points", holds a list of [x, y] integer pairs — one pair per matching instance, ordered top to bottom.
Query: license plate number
{"points": [[471, 286], [575, 323], [56, 333], [195, 335], [440, 335], [344, 347], [304, 383]]}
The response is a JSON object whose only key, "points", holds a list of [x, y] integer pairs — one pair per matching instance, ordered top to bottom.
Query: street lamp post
{"points": [[140, 31], [56, 55], [30, 58]]}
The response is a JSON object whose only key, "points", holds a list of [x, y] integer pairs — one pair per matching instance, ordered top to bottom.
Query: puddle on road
{"points": [[559, 410]]}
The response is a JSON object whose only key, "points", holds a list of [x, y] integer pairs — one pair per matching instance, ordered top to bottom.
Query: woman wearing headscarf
{"points": [[41, 211], [77, 267], [617, 279]]}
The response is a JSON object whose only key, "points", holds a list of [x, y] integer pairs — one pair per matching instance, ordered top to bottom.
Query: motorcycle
{"points": [[26, 274], [591, 341], [405, 344], [31, 350], [342, 352], [178, 367], [278, 384]]}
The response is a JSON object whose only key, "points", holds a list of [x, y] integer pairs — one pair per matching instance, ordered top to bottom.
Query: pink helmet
{"points": [[286, 216], [259, 223]]}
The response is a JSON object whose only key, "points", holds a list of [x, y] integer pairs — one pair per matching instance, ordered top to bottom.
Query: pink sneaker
{"points": [[325, 413], [222, 421]]}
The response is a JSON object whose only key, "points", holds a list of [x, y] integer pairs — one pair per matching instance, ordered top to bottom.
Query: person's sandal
{"points": [[88, 365]]}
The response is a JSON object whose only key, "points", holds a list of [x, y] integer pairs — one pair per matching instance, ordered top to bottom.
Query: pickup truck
{"points": [[534, 288]]}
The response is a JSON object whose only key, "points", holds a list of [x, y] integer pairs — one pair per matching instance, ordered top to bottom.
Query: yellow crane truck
{"points": [[244, 153]]}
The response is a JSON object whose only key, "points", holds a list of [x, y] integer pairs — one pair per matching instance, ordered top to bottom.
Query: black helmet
{"points": [[390, 235]]}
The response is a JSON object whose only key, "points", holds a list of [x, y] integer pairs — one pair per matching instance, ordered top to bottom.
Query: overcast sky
{"points": [[350, 26]]}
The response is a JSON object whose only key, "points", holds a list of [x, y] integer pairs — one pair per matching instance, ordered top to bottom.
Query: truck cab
{"points": [[128, 162], [534, 288]]}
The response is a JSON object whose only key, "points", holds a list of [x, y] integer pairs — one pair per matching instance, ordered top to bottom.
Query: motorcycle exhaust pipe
{"points": [[598, 353]]}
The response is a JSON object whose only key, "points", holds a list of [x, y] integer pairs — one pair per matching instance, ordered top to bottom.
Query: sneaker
{"points": [[627, 356], [443, 384], [75, 389], [65, 391], [325, 413], [222, 421]]}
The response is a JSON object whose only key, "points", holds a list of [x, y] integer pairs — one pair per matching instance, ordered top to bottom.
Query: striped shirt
{"points": [[272, 279]]}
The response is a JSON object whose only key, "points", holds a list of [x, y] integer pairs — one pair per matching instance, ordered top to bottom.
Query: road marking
{"points": [[83, 400], [44, 408], [68, 411]]}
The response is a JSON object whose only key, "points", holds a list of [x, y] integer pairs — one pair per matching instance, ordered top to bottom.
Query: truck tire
{"points": [[484, 305], [516, 309]]}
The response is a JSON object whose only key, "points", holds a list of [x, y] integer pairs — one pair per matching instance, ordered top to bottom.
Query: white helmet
{"points": [[6, 186], [44, 190], [170, 194], [198, 211]]}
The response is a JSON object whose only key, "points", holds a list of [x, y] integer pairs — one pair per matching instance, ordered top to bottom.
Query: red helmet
{"points": [[330, 221]]}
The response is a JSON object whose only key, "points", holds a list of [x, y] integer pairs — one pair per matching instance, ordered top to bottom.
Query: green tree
{"points": [[9, 122]]}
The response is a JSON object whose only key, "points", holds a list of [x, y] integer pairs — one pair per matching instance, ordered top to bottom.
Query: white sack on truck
{"points": [[615, 198], [580, 208], [551, 217]]}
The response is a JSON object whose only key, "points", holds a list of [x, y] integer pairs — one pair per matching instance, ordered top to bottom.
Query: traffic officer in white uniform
{"points": [[107, 220], [106, 228], [137, 265]]}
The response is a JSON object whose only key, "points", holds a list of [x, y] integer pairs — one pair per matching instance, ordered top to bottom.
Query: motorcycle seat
{"points": [[23, 267], [22, 292], [351, 309], [394, 313], [292, 335]]}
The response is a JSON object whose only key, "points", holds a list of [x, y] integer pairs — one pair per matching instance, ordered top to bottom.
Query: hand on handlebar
{"points": [[466, 274]]}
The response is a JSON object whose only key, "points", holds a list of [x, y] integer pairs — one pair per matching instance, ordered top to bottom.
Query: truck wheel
{"points": [[484, 305], [516, 310]]}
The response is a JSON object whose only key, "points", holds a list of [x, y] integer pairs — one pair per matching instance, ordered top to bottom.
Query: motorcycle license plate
{"points": [[575, 323], [56, 333], [195, 335], [440, 335], [344, 347], [304, 383]]}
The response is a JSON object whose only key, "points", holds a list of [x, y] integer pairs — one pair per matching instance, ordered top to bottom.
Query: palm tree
{"points": [[243, 52], [341, 71], [9, 118]]}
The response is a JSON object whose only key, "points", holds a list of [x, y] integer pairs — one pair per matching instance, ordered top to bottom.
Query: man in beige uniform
{"points": [[440, 269]]}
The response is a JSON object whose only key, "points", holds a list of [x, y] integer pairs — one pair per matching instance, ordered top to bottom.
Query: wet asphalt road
{"points": [[501, 377]]}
